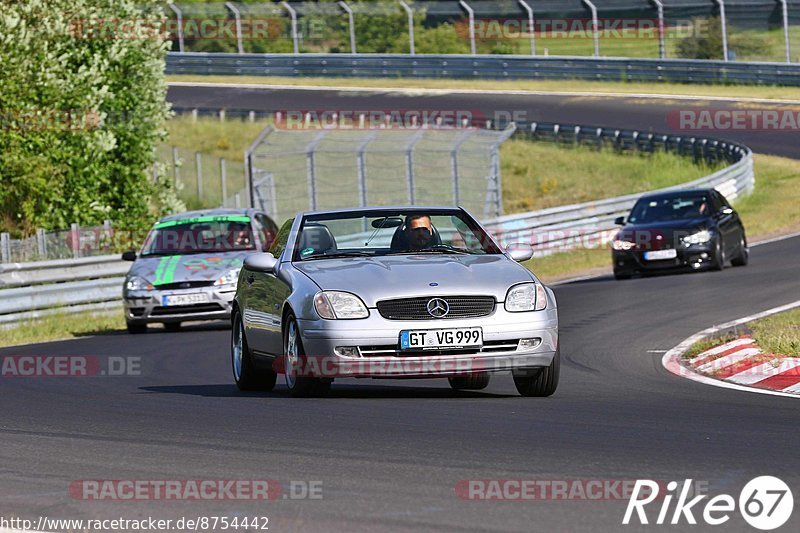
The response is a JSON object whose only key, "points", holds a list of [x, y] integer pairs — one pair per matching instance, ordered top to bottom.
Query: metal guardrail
{"points": [[484, 67], [591, 224], [31, 290]]}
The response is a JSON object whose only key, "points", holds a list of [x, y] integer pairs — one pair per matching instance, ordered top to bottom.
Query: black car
{"points": [[690, 229]]}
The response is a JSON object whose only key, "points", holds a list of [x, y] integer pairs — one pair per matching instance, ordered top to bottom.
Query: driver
{"points": [[419, 232]]}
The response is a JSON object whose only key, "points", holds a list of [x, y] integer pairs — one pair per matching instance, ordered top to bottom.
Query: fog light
{"points": [[704, 255], [529, 344], [347, 351]]}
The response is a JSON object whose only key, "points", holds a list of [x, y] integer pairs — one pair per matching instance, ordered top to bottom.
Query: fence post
{"points": [[785, 10], [177, 11], [410, 13], [471, 15], [238, 16], [723, 19], [352, 23], [595, 27], [531, 28], [295, 38], [662, 47], [410, 164], [361, 165], [175, 166], [199, 167], [223, 178], [237, 200], [75, 238], [41, 243], [5, 247]]}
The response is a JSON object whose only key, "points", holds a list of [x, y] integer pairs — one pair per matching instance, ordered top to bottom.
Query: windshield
{"points": [[668, 209], [383, 233], [200, 235]]}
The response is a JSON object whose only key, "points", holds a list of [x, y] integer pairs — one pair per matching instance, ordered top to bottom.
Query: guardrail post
{"points": [[785, 10], [178, 13], [410, 13], [293, 15], [471, 15], [238, 16], [724, 21], [352, 23], [595, 27], [531, 28], [662, 48], [198, 162], [176, 170], [223, 179], [237, 200], [75, 239], [41, 243], [5, 247]]}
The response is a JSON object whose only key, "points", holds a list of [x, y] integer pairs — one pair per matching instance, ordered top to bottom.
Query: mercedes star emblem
{"points": [[438, 308]]}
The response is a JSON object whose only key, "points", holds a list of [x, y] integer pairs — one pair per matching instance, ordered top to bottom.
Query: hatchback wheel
{"points": [[743, 255], [718, 262], [245, 374]]}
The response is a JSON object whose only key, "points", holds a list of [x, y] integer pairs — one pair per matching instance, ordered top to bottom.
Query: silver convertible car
{"points": [[401, 292]]}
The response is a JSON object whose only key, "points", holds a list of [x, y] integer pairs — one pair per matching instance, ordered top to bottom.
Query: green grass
{"points": [[621, 87], [62, 326], [779, 334]]}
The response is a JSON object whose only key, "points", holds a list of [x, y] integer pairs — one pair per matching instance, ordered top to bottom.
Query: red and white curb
{"points": [[740, 364]]}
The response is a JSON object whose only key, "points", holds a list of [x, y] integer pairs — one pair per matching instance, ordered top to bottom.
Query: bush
{"points": [[706, 41], [82, 113]]}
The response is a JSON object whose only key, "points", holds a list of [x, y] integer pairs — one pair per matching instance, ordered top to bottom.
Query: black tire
{"points": [[743, 256], [718, 262], [622, 275], [172, 326], [136, 329], [245, 374], [478, 381], [543, 383], [299, 386]]}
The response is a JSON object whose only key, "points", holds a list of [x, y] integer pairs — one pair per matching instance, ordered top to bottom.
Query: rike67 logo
{"points": [[765, 503]]}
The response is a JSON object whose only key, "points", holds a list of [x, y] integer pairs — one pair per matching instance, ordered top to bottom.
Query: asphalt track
{"points": [[389, 454]]}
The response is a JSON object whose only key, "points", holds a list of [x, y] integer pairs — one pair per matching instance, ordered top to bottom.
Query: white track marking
{"points": [[720, 349], [728, 360], [763, 371]]}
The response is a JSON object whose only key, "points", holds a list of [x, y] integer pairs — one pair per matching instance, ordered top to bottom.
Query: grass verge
{"points": [[580, 86], [62, 326]]}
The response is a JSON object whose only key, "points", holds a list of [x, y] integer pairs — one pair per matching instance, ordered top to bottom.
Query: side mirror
{"points": [[619, 221], [520, 252], [129, 256], [262, 262]]}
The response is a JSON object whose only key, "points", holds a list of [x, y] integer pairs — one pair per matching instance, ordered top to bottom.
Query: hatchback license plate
{"points": [[660, 255], [169, 300], [437, 339]]}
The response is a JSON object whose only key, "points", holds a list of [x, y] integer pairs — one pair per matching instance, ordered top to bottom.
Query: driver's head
{"points": [[419, 231]]}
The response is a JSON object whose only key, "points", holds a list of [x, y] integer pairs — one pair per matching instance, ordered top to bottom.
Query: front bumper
{"points": [[694, 257], [147, 307], [378, 354]]}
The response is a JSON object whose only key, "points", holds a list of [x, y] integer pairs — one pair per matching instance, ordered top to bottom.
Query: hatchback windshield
{"points": [[671, 208], [382, 233], [200, 235]]}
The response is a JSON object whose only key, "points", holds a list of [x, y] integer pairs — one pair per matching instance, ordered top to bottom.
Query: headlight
{"points": [[698, 238], [619, 244], [231, 277], [137, 283], [526, 297], [334, 305]]}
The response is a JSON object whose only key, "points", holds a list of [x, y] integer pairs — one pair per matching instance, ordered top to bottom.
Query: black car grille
{"points": [[184, 285], [417, 308], [186, 309]]}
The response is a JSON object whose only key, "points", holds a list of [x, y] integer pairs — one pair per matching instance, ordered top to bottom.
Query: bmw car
{"points": [[689, 229], [189, 265], [403, 292]]}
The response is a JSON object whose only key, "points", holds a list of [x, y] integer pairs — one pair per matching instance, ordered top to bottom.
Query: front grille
{"points": [[184, 285], [417, 308], [186, 309]]}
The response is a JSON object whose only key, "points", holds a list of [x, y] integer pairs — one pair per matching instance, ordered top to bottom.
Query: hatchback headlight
{"points": [[698, 238], [619, 244], [231, 277], [138, 283], [526, 297], [333, 305]]}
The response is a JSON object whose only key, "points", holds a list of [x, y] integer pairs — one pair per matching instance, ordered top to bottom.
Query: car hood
{"points": [[164, 270], [404, 276]]}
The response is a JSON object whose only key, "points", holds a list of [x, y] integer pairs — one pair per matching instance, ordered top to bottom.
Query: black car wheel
{"points": [[743, 255], [718, 262], [622, 275], [172, 326], [135, 328], [245, 374], [477, 381], [543, 383], [299, 386]]}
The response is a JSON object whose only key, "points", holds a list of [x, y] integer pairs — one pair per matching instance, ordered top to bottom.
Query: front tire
{"points": [[719, 256], [743, 257], [172, 327], [136, 328], [246, 376], [478, 381], [542, 384], [299, 386]]}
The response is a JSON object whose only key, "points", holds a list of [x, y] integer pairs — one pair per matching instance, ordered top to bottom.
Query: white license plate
{"points": [[660, 255], [169, 300], [437, 339]]}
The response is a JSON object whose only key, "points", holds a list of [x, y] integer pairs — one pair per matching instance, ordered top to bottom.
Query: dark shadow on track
{"points": [[371, 392]]}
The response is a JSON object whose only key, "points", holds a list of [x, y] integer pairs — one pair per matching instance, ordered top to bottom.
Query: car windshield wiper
{"points": [[435, 250], [336, 255]]}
